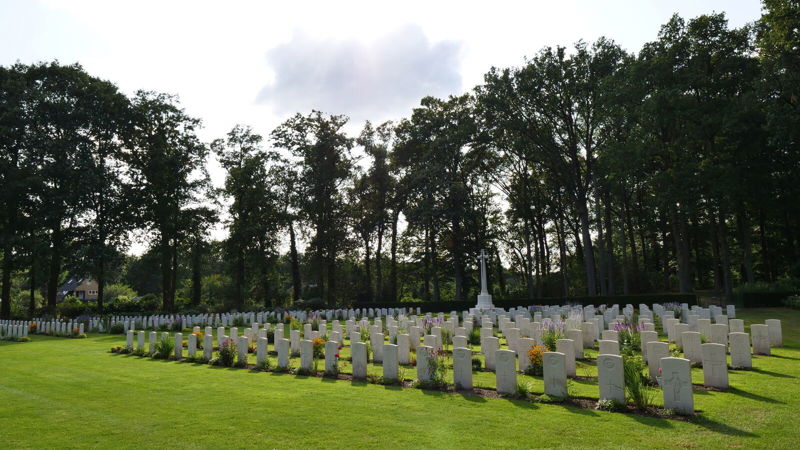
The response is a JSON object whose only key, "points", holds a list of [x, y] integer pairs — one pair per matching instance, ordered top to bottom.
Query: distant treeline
{"points": [[583, 172]]}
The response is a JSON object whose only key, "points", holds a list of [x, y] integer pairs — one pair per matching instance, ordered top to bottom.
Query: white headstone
{"points": [[741, 357], [715, 366], [462, 368], [506, 371], [555, 376], [611, 377], [677, 385]]}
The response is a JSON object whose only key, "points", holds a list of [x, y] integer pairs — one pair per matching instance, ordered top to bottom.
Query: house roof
{"points": [[70, 285]]}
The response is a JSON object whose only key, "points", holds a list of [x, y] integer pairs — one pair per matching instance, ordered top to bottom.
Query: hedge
{"points": [[764, 299], [622, 300]]}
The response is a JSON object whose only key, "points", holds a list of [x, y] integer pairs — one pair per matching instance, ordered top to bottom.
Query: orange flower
{"points": [[536, 354]]}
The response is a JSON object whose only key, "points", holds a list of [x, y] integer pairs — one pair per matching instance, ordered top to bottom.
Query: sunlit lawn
{"points": [[73, 393]]}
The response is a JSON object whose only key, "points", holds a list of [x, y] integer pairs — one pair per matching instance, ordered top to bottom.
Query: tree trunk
{"points": [[526, 236], [746, 240], [681, 243], [588, 249], [295, 263], [393, 263], [55, 268], [435, 268], [367, 270], [166, 274], [197, 279], [101, 281], [727, 281], [612, 289], [379, 290], [32, 295], [5, 306]]}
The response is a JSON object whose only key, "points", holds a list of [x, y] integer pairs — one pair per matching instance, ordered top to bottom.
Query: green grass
{"points": [[57, 392]]}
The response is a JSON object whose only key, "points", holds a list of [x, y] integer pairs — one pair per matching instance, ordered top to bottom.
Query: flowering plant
{"points": [[32, 328], [552, 332], [199, 338], [630, 341], [536, 358]]}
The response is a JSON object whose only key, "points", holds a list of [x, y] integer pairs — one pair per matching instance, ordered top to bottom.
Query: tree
{"points": [[322, 151], [167, 165]]}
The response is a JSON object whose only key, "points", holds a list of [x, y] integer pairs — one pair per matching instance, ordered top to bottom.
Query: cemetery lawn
{"points": [[57, 392]]}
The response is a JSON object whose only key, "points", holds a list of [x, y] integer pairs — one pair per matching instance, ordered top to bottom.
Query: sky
{"points": [[256, 63]]}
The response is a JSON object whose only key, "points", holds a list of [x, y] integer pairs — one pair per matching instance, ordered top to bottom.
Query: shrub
{"points": [[792, 302], [72, 307], [238, 321], [177, 325], [32, 328], [117, 328], [552, 332], [474, 337], [199, 338], [447, 338], [630, 341], [164, 347], [227, 352], [536, 358], [476, 364], [637, 387], [523, 389], [609, 405]]}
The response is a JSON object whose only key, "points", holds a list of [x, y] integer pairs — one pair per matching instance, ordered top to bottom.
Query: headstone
{"points": [[736, 325], [775, 332], [718, 334], [576, 336], [647, 336], [760, 336], [153, 338], [294, 339], [129, 340], [140, 341], [178, 345], [192, 345], [490, 345], [525, 345], [208, 346], [242, 346], [691, 346], [282, 347], [377, 347], [609, 347], [567, 348], [403, 349], [261, 351], [655, 351], [740, 351], [358, 352], [307, 355], [390, 358], [331, 360], [715, 366], [462, 368], [424, 371], [506, 371], [555, 376], [611, 377], [677, 385]]}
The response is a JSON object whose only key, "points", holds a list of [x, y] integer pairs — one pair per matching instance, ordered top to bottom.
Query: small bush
{"points": [[238, 321], [117, 328], [474, 337], [164, 347], [227, 353], [536, 359], [477, 364], [637, 386], [544, 398], [609, 405]]}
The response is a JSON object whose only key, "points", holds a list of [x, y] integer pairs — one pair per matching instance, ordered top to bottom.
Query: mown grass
{"points": [[72, 393]]}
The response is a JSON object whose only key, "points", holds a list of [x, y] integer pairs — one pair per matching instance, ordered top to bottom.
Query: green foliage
{"points": [[72, 307], [117, 328], [474, 337], [164, 348], [227, 353], [477, 364], [637, 385], [610, 405]]}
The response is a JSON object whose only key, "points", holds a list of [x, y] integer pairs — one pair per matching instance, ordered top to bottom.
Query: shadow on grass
{"points": [[782, 357], [770, 373], [358, 383], [392, 387], [751, 396], [472, 397], [524, 404], [581, 411], [652, 421], [718, 427]]}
